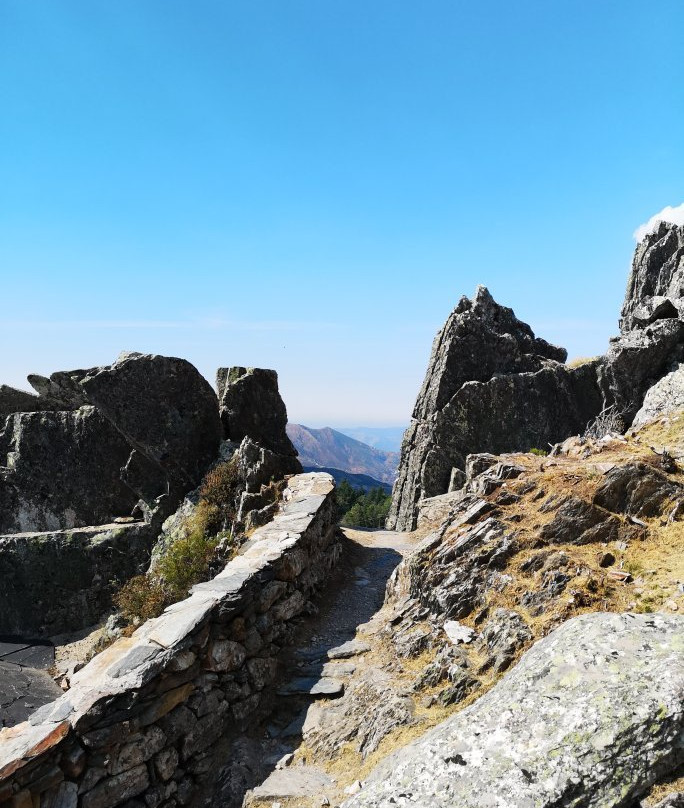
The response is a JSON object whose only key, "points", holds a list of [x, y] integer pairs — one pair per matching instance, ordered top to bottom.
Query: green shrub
{"points": [[539, 452], [217, 498], [187, 560], [185, 563], [141, 598]]}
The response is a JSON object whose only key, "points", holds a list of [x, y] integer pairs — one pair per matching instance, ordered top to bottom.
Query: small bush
{"points": [[608, 420], [538, 452], [217, 495], [187, 560], [185, 563], [141, 598]]}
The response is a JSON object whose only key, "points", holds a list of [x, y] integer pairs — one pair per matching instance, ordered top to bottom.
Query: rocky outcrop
{"points": [[655, 289], [492, 386], [665, 396], [13, 400], [251, 407], [164, 408], [254, 420], [123, 443], [97, 444], [62, 470], [64, 580], [591, 715]]}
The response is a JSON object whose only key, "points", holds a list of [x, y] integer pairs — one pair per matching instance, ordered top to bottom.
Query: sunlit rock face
{"points": [[492, 386], [590, 716]]}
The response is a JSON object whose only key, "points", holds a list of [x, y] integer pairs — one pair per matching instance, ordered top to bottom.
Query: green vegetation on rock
{"points": [[188, 559]]}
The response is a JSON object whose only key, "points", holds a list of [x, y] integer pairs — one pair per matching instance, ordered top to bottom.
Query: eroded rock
{"points": [[251, 406]]}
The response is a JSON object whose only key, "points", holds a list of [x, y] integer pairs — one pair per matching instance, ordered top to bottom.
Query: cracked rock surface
{"points": [[589, 717]]}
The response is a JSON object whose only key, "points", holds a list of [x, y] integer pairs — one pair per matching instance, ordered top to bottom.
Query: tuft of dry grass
{"points": [[578, 361]]}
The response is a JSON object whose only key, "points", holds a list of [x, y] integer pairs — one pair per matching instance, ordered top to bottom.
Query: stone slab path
{"points": [[326, 655], [25, 684]]}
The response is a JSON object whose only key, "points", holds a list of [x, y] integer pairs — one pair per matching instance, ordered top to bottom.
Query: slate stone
{"points": [[636, 489], [580, 522], [348, 649], [312, 686], [22, 691], [296, 781]]}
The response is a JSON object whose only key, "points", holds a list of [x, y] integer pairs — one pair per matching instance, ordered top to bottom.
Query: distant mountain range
{"points": [[387, 438], [328, 448]]}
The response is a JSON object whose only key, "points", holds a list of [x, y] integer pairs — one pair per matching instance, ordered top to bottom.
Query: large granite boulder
{"points": [[655, 289], [665, 396], [160, 404], [251, 407], [164, 408], [98, 443], [61, 470], [592, 715]]}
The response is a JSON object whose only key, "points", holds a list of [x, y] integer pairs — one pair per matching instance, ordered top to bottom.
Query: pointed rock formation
{"points": [[655, 289], [492, 386], [251, 406]]}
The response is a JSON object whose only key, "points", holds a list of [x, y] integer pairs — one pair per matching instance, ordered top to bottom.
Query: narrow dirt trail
{"points": [[326, 660]]}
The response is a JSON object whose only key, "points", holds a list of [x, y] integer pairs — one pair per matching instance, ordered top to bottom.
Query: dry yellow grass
{"points": [[654, 557]]}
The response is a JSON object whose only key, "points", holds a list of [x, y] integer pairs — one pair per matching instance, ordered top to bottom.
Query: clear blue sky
{"points": [[311, 185]]}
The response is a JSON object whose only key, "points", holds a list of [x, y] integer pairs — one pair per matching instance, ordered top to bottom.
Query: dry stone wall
{"points": [[141, 719]]}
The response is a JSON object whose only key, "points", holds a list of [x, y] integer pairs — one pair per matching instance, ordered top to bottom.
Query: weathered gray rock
{"points": [[655, 288], [491, 386], [666, 395], [13, 400], [251, 406], [164, 408], [95, 442], [61, 470], [636, 489], [580, 522], [451, 572], [64, 580], [503, 636], [22, 690], [370, 709], [591, 716], [297, 781]]}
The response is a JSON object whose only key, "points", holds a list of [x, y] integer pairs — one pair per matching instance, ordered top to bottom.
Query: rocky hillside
{"points": [[491, 385], [327, 448], [540, 604]]}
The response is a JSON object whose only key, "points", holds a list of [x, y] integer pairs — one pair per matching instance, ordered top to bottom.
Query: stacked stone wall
{"points": [[141, 721]]}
